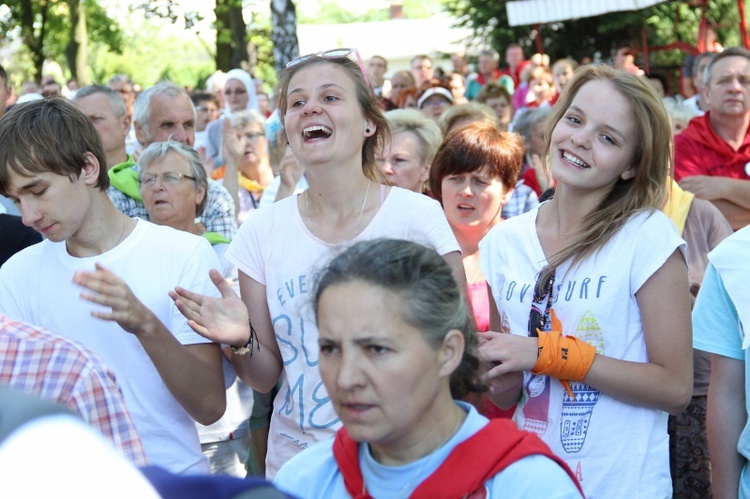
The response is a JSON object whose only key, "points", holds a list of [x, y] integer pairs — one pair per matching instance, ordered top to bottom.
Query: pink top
{"points": [[480, 304]]}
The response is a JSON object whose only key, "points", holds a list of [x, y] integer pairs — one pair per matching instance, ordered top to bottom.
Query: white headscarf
{"points": [[243, 77]]}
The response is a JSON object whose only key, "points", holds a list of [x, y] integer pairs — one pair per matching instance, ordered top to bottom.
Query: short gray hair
{"points": [[730, 52], [491, 53], [116, 104], [142, 106], [249, 117], [524, 126], [428, 134], [159, 150]]}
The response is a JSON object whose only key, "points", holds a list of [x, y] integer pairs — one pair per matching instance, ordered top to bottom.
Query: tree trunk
{"points": [[284, 35], [231, 39], [34, 43], [76, 51]]}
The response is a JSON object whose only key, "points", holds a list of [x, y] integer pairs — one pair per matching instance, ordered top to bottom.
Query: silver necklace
{"points": [[359, 220]]}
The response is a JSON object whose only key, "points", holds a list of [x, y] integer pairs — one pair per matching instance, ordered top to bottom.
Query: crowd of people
{"points": [[420, 284]]}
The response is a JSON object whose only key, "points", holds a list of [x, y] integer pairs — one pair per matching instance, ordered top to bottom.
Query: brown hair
{"points": [[493, 91], [367, 102], [48, 136], [473, 147], [652, 161]]}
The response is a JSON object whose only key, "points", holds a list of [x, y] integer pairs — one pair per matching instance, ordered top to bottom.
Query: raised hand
{"points": [[232, 143], [110, 291], [223, 320]]}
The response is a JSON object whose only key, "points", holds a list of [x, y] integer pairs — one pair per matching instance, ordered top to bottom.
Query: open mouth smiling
{"points": [[316, 132], [574, 160]]}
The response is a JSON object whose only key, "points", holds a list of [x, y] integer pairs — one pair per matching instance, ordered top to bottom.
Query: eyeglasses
{"points": [[333, 54], [207, 109], [254, 135], [167, 178]]}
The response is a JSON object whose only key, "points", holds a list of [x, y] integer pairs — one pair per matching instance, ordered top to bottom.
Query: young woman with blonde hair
{"points": [[595, 292]]}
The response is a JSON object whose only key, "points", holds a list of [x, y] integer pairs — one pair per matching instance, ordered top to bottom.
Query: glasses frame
{"points": [[340, 53], [150, 182]]}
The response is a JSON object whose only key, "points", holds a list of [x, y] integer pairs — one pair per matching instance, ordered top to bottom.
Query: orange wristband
{"points": [[566, 358]]}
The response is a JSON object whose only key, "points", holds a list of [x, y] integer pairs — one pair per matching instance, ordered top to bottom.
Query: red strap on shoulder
{"points": [[346, 453], [477, 459], [472, 463]]}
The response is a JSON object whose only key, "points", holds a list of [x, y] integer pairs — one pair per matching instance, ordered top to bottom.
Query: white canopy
{"points": [[523, 12]]}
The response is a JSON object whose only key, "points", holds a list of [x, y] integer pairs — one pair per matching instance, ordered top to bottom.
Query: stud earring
{"points": [[367, 130]]}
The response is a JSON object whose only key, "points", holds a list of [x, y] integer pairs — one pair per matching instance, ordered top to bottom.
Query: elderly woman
{"points": [[239, 95], [463, 114], [530, 126], [407, 157], [247, 171], [173, 186], [396, 351]]}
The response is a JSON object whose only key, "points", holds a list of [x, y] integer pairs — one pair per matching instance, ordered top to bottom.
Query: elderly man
{"points": [[488, 72], [161, 112], [712, 155]]}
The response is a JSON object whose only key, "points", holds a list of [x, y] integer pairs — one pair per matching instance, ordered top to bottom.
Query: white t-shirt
{"points": [[275, 248], [36, 287], [616, 449], [315, 474]]}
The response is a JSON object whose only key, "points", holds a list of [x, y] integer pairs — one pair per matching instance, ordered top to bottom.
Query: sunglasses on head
{"points": [[333, 54]]}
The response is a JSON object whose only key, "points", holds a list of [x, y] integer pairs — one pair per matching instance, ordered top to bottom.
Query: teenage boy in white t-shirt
{"points": [[101, 279]]}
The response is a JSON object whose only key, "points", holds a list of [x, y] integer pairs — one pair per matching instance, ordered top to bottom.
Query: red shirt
{"points": [[698, 150]]}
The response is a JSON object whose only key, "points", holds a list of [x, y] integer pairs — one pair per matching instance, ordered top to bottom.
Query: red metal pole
{"points": [[743, 24], [703, 27], [539, 44]]}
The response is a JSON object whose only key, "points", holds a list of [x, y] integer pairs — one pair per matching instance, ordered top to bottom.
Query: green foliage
{"points": [[338, 12], [663, 24], [57, 29], [260, 38], [149, 55]]}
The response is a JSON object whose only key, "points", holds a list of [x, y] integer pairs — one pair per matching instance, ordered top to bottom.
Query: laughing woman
{"points": [[335, 129], [595, 292], [396, 349]]}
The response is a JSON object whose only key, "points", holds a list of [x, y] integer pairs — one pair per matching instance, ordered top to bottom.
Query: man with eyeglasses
{"points": [[164, 112], [102, 280]]}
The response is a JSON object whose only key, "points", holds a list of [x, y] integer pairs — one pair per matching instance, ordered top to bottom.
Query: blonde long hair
{"points": [[652, 162]]}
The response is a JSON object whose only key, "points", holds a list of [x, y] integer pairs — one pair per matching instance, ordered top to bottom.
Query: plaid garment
{"points": [[522, 200], [218, 216], [36, 361]]}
